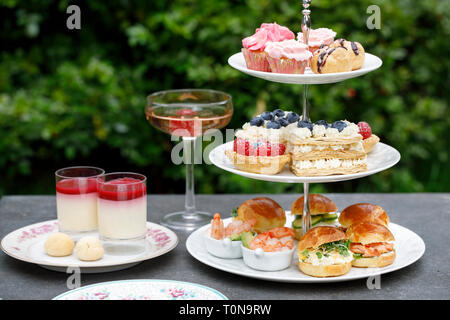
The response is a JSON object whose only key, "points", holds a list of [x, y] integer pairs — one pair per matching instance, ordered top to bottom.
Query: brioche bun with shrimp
{"points": [[363, 212], [267, 213], [371, 245], [324, 252]]}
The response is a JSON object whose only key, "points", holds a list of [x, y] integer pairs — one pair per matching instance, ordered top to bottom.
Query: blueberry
{"points": [[278, 113], [267, 115], [292, 117], [257, 121], [283, 122], [323, 123], [305, 124], [273, 125], [340, 125]]}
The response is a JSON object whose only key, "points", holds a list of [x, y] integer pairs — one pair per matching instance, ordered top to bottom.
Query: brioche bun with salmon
{"points": [[323, 212], [363, 212], [267, 213], [371, 245], [324, 252]]}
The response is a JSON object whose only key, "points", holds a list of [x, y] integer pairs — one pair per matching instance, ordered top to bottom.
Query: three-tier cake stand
{"points": [[381, 158], [409, 246]]}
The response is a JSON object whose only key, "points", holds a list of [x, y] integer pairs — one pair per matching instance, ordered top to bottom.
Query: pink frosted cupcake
{"points": [[318, 37], [253, 46], [288, 56]]}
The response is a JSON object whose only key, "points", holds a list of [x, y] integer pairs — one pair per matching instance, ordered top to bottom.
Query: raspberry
{"points": [[364, 129], [262, 149]]}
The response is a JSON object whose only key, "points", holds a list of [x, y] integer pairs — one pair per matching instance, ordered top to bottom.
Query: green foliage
{"points": [[78, 96]]}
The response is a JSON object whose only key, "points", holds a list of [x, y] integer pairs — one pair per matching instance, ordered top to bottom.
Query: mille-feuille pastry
{"points": [[355, 49], [331, 60], [369, 139], [260, 147], [322, 149], [323, 212], [363, 212], [267, 213], [371, 245], [324, 252]]}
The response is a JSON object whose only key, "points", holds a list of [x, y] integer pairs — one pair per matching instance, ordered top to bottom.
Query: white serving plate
{"points": [[371, 62], [380, 158], [27, 244], [409, 248], [143, 289]]}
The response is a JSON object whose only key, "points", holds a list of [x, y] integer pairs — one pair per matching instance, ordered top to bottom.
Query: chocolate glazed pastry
{"points": [[355, 49], [330, 60]]}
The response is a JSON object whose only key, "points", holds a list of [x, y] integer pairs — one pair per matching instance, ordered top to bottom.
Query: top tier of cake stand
{"points": [[371, 62]]}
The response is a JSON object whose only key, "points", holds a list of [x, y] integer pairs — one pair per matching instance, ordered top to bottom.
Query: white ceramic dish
{"points": [[371, 63], [380, 158], [27, 244], [224, 248], [409, 248], [267, 261], [143, 289]]}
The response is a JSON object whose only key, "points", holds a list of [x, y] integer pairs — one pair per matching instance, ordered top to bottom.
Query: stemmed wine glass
{"points": [[188, 113]]}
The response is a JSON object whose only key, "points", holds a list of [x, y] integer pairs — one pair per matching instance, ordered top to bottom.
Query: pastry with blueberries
{"points": [[355, 49], [260, 146], [322, 148]]}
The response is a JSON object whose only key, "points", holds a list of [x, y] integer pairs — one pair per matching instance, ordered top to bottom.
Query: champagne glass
{"points": [[188, 113]]}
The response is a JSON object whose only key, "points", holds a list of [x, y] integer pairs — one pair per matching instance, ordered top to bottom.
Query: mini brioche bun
{"points": [[318, 204], [363, 212], [267, 213], [368, 232], [317, 236], [375, 262], [332, 270]]}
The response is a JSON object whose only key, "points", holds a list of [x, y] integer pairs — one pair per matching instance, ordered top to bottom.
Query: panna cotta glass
{"points": [[76, 198], [122, 206]]}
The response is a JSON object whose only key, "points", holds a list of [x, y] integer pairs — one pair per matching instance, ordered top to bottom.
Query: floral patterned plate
{"points": [[27, 244], [143, 290]]}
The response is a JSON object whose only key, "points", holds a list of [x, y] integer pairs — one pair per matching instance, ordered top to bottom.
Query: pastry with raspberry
{"points": [[369, 139]]}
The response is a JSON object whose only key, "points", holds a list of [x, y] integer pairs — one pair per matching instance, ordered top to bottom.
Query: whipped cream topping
{"points": [[267, 32], [317, 37], [290, 49], [327, 163]]}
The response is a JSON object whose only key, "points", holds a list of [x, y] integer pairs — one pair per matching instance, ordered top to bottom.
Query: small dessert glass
{"points": [[76, 199], [122, 212]]}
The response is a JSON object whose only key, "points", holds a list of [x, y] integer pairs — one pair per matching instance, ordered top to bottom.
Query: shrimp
{"points": [[238, 226], [217, 229], [277, 239]]}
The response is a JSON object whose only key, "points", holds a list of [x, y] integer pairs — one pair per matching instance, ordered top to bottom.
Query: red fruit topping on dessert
{"points": [[364, 129], [263, 149]]}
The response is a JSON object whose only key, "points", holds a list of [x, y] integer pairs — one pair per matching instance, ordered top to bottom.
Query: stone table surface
{"points": [[427, 214]]}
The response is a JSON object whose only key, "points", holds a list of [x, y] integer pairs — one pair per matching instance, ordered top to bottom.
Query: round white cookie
{"points": [[59, 245], [89, 249]]}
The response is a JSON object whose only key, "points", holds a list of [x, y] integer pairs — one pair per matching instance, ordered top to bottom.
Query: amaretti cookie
{"points": [[322, 149]]}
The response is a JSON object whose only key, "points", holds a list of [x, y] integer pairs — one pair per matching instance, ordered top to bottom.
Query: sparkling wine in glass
{"points": [[188, 113]]}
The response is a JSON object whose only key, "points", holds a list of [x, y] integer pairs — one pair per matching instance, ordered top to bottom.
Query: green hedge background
{"points": [[77, 97]]}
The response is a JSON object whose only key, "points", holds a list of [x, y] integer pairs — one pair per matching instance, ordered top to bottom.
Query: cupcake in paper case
{"points": [[317, 38], [253, 46], [288, 56]]}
